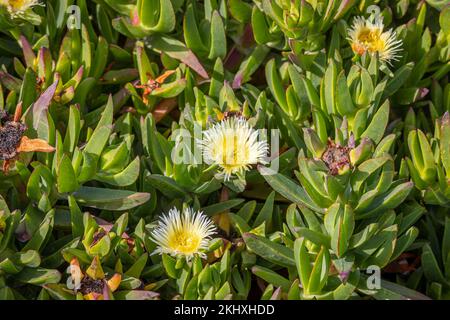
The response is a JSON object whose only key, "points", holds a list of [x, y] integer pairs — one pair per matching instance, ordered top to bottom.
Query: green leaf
{"points": [[147, 15], [218, 46], [177, 50], [250, 65], [400, 77], [275, 84], [328, 88], [344, 103], [377, 126], [73, 130], [445, 141], [94, 148], [124, 178], [67, 179], [288, 188], [110, 199], [389, 200], [221, 206], [247, 210], [265, 215], [239, 224], [42, 235], [313, 236], [404, 242], [269, 250], [302, 261], [169, 266], [431, 267], [137, 268], [319, 273], [38, 276], [272, 277], [393, 291], [59, 292], [136, 295]]}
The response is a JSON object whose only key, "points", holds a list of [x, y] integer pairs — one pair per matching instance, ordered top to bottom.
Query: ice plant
{"points": [[17, 8], [366, 35], [125, 91], [13, 141], [233, 145], [429, 164], [183, 234]]}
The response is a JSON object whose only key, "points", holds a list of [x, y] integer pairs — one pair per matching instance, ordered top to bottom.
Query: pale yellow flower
{"points": [[17, 8], [367, 35], [233, 145], [183, 234]]}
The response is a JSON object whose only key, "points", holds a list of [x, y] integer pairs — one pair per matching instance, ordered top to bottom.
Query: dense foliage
{"points": [[224, 149]]}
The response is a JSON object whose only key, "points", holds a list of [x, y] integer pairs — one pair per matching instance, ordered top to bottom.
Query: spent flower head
{"points": [[366, 35], [13, 140], [233, 145], [183, 234], [92, 284]]}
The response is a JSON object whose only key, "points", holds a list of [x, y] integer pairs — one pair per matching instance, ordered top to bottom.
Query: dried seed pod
{"points": [[10, 136]]}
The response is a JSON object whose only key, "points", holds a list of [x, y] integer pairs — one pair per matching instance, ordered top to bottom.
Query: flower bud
{"points": [[361, 152]]}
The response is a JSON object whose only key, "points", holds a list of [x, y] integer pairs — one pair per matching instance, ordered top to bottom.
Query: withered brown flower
{"points": [[13, 141], [336, 157], [92, 283]]}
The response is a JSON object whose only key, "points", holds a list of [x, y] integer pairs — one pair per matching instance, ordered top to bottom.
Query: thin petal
{"points": [[164, 76]]}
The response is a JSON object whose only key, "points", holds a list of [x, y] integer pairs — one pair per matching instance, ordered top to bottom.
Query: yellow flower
{"points": [[17, 8], [366, 35], [233, 145], [183, 234]]}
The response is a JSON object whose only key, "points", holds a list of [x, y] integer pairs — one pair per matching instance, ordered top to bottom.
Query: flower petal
{"points": [[164, 76], [34, 145], [114, 282]]}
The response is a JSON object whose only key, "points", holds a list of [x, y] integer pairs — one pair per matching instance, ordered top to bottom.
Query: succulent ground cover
{"points": [[224, 149]]}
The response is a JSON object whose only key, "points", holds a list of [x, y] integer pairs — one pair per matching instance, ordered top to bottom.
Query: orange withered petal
{"points": [[164, 76], [18, 112], [32, 145], [6, 165], [74, 262], [114, 282], [93, 296]]}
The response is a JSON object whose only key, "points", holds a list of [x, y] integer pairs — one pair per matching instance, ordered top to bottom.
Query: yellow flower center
{"points": [[16, 6], [371, 40], [231, 152], [184, 241]]}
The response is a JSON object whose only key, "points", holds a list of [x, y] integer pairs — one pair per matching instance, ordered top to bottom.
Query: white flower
{"points": [[17, 8], [368, 36], [233, 145], [183, 234]]}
